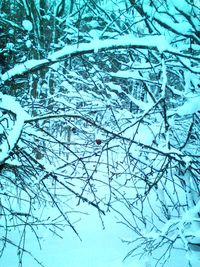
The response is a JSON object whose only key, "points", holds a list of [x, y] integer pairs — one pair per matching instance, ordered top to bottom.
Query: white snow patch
{"points": [[27, 24], [28, 43], [10, 46], [191, 106]]}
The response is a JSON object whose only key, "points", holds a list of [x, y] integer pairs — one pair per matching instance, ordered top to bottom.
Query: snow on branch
{"points": [[179, 17], [156, 42], [23, 68], [10, 129], [185, 227]]}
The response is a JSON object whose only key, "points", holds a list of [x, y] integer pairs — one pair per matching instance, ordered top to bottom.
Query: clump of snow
{"points": [[47, 17], [27, 24], [11, 31], [95, 33], [161, 42], [28, 43], [96, 44], [10, 46], [115, 87], [189, 107], [187, 161]]}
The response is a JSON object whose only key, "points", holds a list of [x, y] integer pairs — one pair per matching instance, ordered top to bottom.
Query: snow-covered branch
{"points": [[156, 42], [112, 93], [10, 130]]}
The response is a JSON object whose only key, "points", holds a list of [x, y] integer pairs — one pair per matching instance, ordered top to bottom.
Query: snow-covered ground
{"points": [[98, 247]]}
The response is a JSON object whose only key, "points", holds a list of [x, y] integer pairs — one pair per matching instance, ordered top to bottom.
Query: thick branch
{"points": [[156, 42]]}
